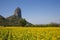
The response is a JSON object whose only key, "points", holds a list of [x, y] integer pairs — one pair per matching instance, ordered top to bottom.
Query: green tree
{"points": [[23, 22]]}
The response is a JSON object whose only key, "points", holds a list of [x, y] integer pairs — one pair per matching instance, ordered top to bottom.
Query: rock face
{"points": [[17, 12], [16, 15], [14, 19]]}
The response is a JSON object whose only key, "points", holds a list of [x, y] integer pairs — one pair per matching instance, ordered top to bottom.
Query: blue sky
{"points": [[34, 11]]}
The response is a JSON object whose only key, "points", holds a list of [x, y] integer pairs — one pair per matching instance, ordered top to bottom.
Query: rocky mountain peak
{"points": [[17, 12]]}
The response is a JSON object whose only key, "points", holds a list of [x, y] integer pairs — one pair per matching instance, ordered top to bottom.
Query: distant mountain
{"points": [[17, 12], [16, 15], [1, 17], [15, 19], [2, 20]]}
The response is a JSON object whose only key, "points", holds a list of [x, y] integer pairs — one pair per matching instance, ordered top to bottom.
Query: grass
{"points": [[29, 33]]}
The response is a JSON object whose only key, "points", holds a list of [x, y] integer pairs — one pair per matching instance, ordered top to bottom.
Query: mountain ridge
{"points": [[15, 19]]}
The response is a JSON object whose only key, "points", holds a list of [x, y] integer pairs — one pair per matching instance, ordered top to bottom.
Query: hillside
{"points": [[14, 20]]}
